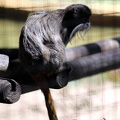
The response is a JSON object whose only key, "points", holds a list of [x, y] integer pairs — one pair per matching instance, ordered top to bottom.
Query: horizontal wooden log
{"points": [[96, 19], [89, 49], [76, 52], [12, 53], [75, 57], [4, 62], [93, 64], [82, 67], [17, 72], [10, 91]]}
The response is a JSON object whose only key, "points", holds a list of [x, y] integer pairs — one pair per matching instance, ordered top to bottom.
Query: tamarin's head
{"points": [[76, 14], [76, 18]]}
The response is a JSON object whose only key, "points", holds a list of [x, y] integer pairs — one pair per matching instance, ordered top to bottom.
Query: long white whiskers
{"points": [[81, 27], [77, 28], [85, 31]]}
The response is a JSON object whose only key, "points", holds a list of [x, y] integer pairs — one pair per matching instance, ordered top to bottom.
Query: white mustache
{"points": [[81, 27]]}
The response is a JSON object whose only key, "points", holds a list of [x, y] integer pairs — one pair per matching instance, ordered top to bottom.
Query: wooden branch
{"points": [[21, 15], [93, 48], [76, 52], [12, 53], [4, 62], [83, 63], [93, 64], [81, 67], [10, 91]]}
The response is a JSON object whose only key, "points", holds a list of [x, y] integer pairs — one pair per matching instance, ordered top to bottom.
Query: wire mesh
{"points": [[92, 98]]}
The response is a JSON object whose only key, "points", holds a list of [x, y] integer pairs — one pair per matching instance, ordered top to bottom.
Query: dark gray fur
{"points": [[45, 35]]}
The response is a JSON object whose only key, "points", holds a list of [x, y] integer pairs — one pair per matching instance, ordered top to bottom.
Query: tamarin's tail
{"points": [[43, 84], [49, 104]]}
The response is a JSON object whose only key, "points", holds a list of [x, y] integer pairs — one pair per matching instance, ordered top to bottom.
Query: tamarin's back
{"points": [[42, 45]]}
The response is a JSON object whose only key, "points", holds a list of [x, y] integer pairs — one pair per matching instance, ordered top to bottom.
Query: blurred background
{"points": [[92, 98]]}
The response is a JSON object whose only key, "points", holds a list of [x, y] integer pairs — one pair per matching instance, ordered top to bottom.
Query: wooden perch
{"points": [[89, 49], [76, 52], [12, 53], [84, 60], [4, 62], [93, 64], [81, 67], [10, 91]]}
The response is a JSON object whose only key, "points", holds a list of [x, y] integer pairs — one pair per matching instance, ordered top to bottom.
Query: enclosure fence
{"points": [[95, 97]]}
